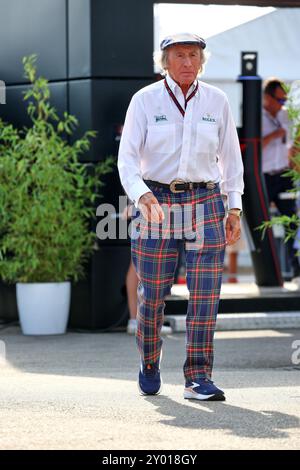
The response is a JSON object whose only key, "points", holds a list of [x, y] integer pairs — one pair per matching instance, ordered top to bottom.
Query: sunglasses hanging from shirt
{"points": [[181, 110]]}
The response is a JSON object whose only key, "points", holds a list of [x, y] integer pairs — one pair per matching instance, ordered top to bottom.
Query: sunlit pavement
{"points": [[79, 391]]}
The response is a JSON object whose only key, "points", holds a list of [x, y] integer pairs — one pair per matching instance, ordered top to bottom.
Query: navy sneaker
{"points": [[150, 382], [203, 389]]}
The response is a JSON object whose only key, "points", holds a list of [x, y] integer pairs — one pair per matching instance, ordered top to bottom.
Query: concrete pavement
{"points": [[79, 391]]}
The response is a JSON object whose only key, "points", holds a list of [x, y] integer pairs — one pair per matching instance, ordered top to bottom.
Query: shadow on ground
{"points": [[114, 355], [233, 420]]}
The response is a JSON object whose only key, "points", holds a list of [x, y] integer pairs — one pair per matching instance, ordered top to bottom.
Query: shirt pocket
{"points": [[161, 139], [207, 139]]}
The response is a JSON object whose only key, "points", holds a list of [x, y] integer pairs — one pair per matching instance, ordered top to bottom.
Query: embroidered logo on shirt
{"points": [[162, 117], [208, 118]]}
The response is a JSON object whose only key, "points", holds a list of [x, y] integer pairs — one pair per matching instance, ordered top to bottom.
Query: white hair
{"points": [[161, 60]]}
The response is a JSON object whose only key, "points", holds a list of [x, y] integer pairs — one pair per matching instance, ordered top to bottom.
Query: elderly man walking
{"points": [[179, 148]]}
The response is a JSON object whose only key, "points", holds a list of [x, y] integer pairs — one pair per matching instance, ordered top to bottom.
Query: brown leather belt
{"points": [[179, 186]]}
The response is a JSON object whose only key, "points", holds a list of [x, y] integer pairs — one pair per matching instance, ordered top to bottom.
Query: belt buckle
{"points": [[210, 185], [172, 186]]}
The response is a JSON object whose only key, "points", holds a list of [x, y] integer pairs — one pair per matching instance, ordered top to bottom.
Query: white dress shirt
{"points": [[159, 144], [275, 154]]}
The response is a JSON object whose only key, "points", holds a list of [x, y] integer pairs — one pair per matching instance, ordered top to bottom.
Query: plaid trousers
{"points": [[155, 258]]}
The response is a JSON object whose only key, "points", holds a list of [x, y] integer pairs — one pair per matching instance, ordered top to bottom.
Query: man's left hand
{"points": [[232, 229]]}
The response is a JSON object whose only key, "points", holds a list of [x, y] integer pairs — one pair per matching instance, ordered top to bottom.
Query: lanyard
{"points": [[181, 110], [274, 120], [277, 124]]}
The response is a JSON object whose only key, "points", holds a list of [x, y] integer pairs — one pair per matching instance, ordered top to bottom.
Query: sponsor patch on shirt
{"points": [[161, 117], [208, 118]]}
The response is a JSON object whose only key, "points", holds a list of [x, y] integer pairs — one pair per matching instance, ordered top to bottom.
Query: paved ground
{"points": [[79, 392]]}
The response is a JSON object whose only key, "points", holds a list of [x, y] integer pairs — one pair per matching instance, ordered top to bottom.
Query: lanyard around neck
{"points": [[186, 100]]}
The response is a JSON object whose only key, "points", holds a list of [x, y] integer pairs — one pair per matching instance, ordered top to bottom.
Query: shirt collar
{"points": [[175, 87]]}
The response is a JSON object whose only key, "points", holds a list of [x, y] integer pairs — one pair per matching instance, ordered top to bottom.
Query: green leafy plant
{"points": [[46, 195], [290, 224]]}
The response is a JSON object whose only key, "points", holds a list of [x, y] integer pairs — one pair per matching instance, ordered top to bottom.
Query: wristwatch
{"points": [[237, 212]]}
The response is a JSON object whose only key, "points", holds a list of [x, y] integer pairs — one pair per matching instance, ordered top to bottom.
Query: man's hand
{"points": [[281, 132], [150, 208], [233, 229]]}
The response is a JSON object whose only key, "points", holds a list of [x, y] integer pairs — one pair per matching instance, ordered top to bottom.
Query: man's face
{"points": [[183, 63], [276, 100]]}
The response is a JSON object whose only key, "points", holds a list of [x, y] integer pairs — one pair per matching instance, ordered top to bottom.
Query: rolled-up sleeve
{"points": [[131, 145], [230, 160]]}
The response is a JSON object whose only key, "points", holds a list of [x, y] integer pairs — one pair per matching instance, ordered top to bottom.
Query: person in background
{"points": [[179, 143], [276, 146], [294, 156], [233, 253]]}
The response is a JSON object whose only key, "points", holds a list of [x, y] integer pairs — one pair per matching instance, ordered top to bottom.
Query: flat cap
{"points": [[182, 38]]}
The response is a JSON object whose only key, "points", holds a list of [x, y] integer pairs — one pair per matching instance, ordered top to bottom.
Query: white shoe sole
{"points": [[131, 330], [166, 330], [187, 394]]}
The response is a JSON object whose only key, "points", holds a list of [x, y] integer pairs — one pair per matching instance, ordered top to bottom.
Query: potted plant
{"points": [[46, 206]]}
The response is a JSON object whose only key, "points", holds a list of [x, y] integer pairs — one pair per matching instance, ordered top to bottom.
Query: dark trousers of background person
{"points": [[277, 184], [180, 260]]}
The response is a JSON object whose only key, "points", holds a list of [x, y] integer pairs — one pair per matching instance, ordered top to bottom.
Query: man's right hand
{"points": [[150, 208]]}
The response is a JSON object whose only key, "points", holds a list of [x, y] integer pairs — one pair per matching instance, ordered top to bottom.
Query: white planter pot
{"points": [[43, 307]]}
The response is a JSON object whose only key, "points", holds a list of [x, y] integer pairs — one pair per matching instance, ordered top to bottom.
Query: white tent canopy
{"points": [[276, 38]]}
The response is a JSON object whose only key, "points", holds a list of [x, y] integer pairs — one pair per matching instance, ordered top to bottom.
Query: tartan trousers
{"points": [[155, 258]]}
